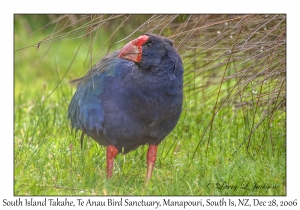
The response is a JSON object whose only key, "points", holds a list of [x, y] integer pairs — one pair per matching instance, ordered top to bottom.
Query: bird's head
{"points": [[147, 50]]}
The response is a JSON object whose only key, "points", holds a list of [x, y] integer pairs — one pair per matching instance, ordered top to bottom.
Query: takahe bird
{"points": [[130, 98]]}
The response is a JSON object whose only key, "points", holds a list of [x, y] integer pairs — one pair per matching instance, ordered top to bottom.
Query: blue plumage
{"points": [[126, 103]]}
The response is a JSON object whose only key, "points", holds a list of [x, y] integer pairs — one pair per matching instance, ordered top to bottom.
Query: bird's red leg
{"points": [[111, 152], [151, 158]]}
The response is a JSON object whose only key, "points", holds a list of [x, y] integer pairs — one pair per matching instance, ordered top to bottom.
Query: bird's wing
{"points": [[85, 110]]}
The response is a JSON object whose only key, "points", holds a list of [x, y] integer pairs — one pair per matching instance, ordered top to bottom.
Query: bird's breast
{"points": [[153, 106]]}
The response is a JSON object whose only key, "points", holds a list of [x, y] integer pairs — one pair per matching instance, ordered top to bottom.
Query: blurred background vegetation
{"points": [[234, 101]]}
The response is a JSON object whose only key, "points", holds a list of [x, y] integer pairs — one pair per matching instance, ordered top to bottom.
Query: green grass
{"points": [[44, 163]]}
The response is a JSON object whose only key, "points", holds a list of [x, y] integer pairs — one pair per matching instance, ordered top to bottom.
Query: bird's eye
{"points": [[149, 44]]}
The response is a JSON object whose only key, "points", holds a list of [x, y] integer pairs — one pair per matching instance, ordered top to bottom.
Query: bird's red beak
{"points": [[132, 51]]}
